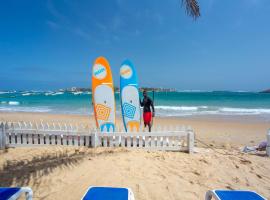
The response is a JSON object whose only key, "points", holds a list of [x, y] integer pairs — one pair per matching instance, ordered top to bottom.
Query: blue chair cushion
{"points": [[6, 193], [106, 193], [237, 195]]}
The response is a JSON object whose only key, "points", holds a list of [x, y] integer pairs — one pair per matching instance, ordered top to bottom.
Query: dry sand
{"points": [[66, 173]]}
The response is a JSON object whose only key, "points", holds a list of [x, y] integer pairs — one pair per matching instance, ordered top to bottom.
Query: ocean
{"points": [[167, 104]]}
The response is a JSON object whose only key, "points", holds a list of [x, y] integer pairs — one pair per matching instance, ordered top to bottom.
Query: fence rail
{"points": [[15, 134]]}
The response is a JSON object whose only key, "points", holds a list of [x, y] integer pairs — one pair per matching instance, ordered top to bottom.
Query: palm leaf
{"points": [[192, 8]]}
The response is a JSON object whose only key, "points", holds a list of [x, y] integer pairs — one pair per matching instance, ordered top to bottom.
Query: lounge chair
{"points": [[12, 193], [108, 193], [233, 195]]}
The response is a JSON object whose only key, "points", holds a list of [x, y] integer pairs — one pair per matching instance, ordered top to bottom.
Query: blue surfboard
{"points": [[129, 96]]}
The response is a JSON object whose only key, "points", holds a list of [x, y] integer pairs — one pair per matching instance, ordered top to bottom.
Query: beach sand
{"points": [[216, 132], [66, 172]]}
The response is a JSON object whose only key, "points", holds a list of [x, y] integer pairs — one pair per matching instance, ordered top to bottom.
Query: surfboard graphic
{"points": [[103, 95], [129, 95]]}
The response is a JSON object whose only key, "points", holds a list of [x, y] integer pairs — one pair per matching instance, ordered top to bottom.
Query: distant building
{"points": [[73, 89], [117, 89]]}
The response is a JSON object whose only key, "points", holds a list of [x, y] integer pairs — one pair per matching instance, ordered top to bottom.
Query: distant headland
{"points": [[265, 91]]}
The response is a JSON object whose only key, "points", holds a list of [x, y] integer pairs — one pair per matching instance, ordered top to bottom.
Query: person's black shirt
{"points": [[146, 103]]}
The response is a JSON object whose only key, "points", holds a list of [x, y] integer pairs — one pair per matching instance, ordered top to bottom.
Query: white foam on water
{"points": [[7, 92], [30, 93], [48, 93], [53, 93], [58, 93], [77, 93], [81, 93], [26, 94], [13, 103], [181, 108], [24, 109], [208, 110], [245, 110]]}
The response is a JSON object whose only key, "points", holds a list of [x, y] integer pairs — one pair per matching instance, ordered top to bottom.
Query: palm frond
{"points": [[192, 8]]}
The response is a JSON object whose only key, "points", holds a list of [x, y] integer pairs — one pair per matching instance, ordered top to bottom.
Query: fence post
{"points": [[2, 136], [94, 139], [3, 140], [190, 141], [268, 143]]}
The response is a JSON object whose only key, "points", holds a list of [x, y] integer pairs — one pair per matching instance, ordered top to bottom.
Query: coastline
{"points": [[215, 132]]}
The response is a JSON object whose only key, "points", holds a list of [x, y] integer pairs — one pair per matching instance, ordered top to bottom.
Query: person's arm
{"points": [[153, 108]]}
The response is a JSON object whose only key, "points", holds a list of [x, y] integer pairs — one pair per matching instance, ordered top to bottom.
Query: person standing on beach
{"points": [[147, 104]]}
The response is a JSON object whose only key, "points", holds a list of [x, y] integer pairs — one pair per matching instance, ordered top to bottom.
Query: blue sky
{"points": [[52, 44]]}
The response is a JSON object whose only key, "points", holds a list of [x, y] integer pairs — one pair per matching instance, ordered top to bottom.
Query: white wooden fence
{"points": [[14, 134]]}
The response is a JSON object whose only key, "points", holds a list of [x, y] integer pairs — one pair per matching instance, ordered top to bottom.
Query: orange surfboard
{"points": [[103, 95]]}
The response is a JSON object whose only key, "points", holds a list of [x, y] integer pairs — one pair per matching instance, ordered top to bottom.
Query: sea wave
{"points": [[7, 92], [30, 93], [53, 93], [77, 93], [26, 94], [13, 103], [178, 108], [25, 109], [161, 110], [208, 110], [245, 110]]}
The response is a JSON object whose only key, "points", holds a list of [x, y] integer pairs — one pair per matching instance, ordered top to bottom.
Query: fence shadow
{"points": [[23, 171]]}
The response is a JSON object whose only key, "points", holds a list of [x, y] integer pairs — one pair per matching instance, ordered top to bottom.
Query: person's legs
{"points": [[149, 125]]}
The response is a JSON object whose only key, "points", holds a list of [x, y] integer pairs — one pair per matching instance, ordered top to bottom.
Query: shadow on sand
{"points": [[21, 172]]}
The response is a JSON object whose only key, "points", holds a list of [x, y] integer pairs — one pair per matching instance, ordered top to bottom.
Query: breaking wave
{"points": [[11, 103], [208, 110]]}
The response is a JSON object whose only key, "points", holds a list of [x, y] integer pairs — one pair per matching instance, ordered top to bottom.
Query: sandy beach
{"points": [[215, 132], [66, 173]]}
